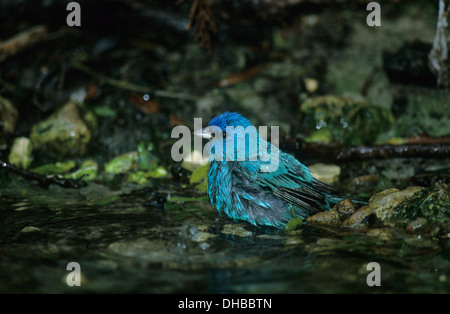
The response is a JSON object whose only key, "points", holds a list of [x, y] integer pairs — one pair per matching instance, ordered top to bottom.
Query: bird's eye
{"points": [[224, 134]]}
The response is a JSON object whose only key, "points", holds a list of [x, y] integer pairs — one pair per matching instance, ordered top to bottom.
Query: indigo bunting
{"points": [[250, 179]]}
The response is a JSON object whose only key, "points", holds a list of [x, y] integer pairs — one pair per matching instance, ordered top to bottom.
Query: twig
{"points": [[202, 17], [22, 40], [130, 86], [359, 153], [43, 180]]}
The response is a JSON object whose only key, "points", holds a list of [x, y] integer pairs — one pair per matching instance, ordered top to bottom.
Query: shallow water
{"points": [[129, 247]]}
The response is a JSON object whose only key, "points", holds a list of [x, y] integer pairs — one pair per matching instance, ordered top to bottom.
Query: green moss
{"points": [[432, 204]]}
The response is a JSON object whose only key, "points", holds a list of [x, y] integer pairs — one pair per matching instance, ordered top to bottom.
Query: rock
{"points": [[311, 84], [8, 115], [351, 121], [63, 133], [20, 154], [325, 173], [366, 179], [384, 202], [432, 204], [345, 207], [341, 211], [331, 217], [360, 219], [418, 225], [30, 229], [236, 230], [384, 234], [202, 236], [143, 249]]}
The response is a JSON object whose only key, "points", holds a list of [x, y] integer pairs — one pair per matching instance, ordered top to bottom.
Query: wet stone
{"points": [[325, 173], [383, 203], [432, 204], [345, 207], [325, 218], [359, 219], [418, 225], [30, 229], [236, 230], [383, 234], [294, 241], [143, 249]]}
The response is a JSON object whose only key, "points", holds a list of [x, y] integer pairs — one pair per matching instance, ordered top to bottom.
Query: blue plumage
{"points": [[238, 185]]}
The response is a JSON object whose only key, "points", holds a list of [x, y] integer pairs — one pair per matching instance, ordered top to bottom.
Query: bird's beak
{"points": [[205, 133]]}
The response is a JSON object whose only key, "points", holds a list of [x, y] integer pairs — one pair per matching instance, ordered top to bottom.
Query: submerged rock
{"points": [[350, 121], [63, 133], [236, 230], [383, 234]]}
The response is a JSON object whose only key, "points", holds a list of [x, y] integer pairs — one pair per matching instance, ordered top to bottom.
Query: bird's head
{"points": [[231, 119], [234, 130]]}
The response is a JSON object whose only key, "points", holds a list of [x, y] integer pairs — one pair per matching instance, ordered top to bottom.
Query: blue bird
{"points": [[250, 179]]}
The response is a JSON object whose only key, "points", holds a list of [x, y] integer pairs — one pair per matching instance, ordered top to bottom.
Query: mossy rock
{"points": [[350, 121], [64, 133], [432, 203]]}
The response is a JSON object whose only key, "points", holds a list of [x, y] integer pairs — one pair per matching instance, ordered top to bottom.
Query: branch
{"points": [[22, 40], [130, 86], [357, 153], [43, 180]]}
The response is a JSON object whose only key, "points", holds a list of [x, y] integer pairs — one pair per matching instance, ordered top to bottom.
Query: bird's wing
{"points": [[293, 183], [256, 202]]}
